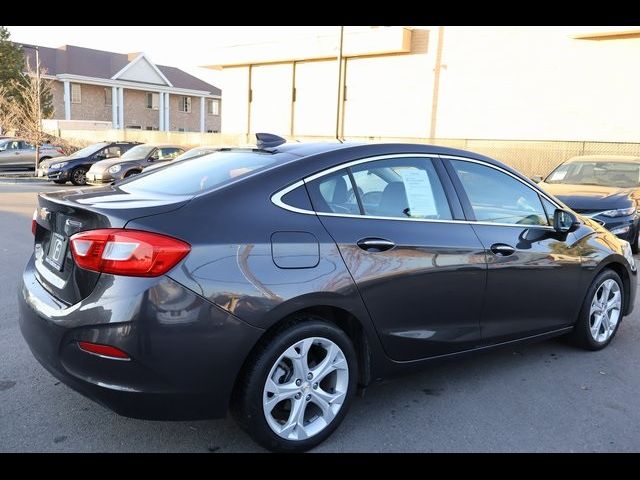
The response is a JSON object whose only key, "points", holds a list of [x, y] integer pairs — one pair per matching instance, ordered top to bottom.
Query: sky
{"points": [[182, 47]]}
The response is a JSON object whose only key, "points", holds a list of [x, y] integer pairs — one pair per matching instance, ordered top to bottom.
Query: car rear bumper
{"points": [[185, 354]]}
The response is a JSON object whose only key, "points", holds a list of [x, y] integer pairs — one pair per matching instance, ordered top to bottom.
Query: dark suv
{"points": [[74, 167]]}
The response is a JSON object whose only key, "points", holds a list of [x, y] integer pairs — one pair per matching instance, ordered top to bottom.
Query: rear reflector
{"points": [[34, 224], [127, 252], [103, 350]]}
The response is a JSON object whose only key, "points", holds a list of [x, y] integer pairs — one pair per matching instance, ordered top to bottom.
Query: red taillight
{"points": [[60, 150], [34, 224], [127, 252], [103, 350]]}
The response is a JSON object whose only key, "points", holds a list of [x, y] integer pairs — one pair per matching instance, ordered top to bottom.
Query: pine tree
{"points": [[11, 61]]}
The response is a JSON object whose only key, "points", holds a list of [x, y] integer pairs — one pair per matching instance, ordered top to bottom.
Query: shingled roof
{"points": [[88, 62]]}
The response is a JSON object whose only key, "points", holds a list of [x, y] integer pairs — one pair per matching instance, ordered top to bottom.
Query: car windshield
{"points": [[90, 150], [139, 151], [199, 174], [606, 174]]}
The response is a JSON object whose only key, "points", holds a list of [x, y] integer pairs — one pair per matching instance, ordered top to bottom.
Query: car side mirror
{"points": [[536, 178], [564, 221]]}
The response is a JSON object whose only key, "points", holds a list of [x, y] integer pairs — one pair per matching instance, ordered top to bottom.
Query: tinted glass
{"points": [[90, 150], [139, 151], [199, 174], [607, 174], [402, 188], [333, 193], [496, 197], [550, 209]]}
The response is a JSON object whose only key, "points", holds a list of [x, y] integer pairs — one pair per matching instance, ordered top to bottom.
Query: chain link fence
{"points": [[531, 157]]}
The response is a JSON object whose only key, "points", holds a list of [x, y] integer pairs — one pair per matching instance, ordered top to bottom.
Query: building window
{"points": [[76, 93], [107, 97], [152, 100], [185, 104], [213, 106], [134, 127], [148, 128], [181, 129]]}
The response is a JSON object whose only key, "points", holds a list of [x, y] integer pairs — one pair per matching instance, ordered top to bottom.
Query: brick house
{"points": [[128, 90]]}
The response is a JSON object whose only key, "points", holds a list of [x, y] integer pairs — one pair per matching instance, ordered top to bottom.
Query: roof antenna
{"points": [[268, 140]]}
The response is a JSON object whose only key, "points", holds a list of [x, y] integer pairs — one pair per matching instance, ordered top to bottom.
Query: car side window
{"points": [[15, 145], [111, 152], [168, 153], [401, 188], [333, 193], [496, 197], [549, 208]]}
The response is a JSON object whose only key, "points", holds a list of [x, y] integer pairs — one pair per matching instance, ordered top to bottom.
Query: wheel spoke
{"points": [[606, 289], [614, 303], [606, 324], [595, 329], [280, 392], [329, 398], [324, 405], [295, 420]]}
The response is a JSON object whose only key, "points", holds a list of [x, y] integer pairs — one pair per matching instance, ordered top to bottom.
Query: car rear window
{"points": [[200, 174]]}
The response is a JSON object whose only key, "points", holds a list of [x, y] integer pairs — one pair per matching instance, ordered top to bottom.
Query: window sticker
{"points": [[559, 175], [422, 202]]}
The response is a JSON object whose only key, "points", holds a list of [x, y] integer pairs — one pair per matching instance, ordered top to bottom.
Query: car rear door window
{"points": [[401, 188], [497, 197]]}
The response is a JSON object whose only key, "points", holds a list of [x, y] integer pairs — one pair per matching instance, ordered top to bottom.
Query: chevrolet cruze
{"points": [[275, 282]]}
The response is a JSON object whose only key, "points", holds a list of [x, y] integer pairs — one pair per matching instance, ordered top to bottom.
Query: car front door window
{"points": [[496, 197]]}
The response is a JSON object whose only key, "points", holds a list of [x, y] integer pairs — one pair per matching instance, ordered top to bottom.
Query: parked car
{"points": [[18, 153], [191, 153], [131, 163], [74, 167], [605, 188], [275, 281]]}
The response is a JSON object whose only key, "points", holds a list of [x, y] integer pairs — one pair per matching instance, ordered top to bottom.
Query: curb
{"points": [[13, 180]]}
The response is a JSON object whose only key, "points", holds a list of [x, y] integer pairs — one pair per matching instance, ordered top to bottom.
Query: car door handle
{"points": [[375, 244], [502, 249]]}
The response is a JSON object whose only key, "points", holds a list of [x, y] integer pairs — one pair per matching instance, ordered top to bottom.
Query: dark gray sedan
{"points": [[131, 163], [276, 281]]}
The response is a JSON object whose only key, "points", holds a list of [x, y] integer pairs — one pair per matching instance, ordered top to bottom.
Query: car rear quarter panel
{"points": [[231, 262]]}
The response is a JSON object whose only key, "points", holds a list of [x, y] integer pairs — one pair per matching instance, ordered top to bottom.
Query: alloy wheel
{"points": [[605, 310], [305, 388]]}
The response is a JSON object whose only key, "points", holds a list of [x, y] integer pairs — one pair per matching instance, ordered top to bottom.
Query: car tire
{"points": [[79, 176], [60, 182], [593, 331], [270, 368]]}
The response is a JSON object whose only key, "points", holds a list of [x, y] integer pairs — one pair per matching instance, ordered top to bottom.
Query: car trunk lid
{"points": [[61, 214]]}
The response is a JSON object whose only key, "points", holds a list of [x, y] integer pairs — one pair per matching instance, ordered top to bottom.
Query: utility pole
{"points": [[340, 86], [35, 170]]}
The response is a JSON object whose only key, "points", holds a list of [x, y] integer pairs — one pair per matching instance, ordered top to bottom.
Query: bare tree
{"points": [[27, 115]]}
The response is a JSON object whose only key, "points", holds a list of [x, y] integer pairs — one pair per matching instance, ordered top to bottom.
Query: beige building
{"points": [[524, 83], [127, 91]]}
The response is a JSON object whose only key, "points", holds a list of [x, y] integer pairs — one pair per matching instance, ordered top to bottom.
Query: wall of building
{"points": [[525, 83], [57, 91], [93, 105], [136, 111], [190, 122]]}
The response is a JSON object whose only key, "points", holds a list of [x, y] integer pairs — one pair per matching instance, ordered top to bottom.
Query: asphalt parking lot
{"points": [[546, 397]]}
